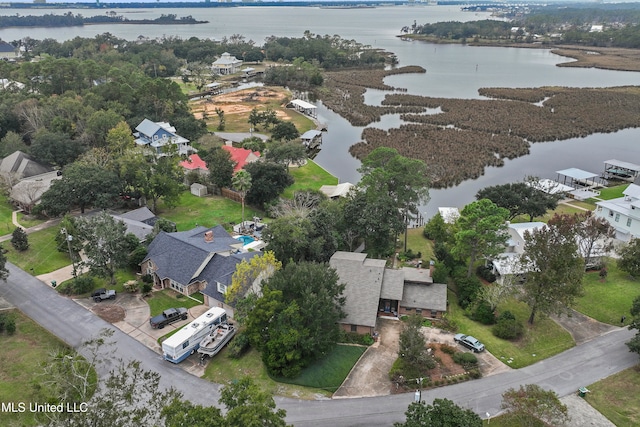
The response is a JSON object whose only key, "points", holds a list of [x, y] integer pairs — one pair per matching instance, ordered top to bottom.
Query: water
{"points": [[453, 71]]}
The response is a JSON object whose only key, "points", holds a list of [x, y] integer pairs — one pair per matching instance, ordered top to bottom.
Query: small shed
{"points": [[198, 190]]}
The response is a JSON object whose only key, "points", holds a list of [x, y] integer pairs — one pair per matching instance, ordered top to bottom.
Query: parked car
{"points": [[102, 294], [167, 317], [469, 342]]}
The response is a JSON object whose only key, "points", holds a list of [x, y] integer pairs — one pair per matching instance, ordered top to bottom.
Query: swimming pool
{"points": [[245, 239]]}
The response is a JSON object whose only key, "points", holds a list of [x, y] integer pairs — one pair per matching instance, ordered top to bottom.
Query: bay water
{"points": [[453, 71]]}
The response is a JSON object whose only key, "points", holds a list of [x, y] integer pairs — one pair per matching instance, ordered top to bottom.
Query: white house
{"points": [[226, 64], [156, 135], [623, 213], [508, 263]]}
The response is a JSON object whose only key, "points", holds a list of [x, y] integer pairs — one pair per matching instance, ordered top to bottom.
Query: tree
{"points": [[284, 131], [119, 139], [11, 143], [55, 148], [287, 153], [220, 167], [268, 181], [397, 181], [242, 184], [82, 185], [520, 198], [436, 229], [481, 232], [595, 238], [19, 239], [105, 244], [629, 260], [554, 267], [4, 273], [247, 273], [296, 320], [634, 343], [413, 347], [531, 403], [247, 405], [443, 413]]}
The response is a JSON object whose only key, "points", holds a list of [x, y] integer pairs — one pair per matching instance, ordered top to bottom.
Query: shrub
{"points": [[19, 239], [440, 272], [486, 273], [147, 278], [77, 286], [146, 288], [468, 288], [484, 313], [506, 315], [3, 321], [448, 324], [10, 325], [508, 329], [367, 339], [238, 346], [446, 348], [467, 360], [474, 373]]}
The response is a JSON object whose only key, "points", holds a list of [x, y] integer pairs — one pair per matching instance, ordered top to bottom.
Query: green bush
{"points": [[19, 239], [440, 272], [486, 273], [147, 278], [79, 285], [146, 288], [468, 288], [484, 313], [506, 315], [3, 322], [11, 325], [508, 329], [238, 346], [466, 360], [474, 373]]}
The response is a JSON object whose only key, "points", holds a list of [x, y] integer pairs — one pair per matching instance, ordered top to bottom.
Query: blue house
{"points": [[156, 135]]}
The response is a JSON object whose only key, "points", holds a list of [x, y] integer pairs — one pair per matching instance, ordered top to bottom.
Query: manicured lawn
{"points": [[309, 177], [613, 192], [207, 211], [42, 255], [121, 277], [167, 298], [608, 301], [542, 340], [20, 359], [222, 369], [329, 373], [616, 397]]}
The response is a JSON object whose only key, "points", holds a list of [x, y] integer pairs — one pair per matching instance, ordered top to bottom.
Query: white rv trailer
{"points": [[186, 341]]}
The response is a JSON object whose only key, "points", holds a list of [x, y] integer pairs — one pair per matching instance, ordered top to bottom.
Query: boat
{"points": [[216, 340]]}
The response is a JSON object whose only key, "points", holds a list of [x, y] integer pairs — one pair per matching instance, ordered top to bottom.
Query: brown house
{"points": [[374, 290]]}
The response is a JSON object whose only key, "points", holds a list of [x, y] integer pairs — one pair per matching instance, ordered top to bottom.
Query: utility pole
{"points": [[69, 238]]}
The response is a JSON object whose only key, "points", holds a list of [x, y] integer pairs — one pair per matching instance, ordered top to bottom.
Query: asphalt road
{"points": [[563, 373]]}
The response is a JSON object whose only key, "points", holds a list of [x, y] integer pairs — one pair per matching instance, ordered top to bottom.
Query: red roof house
{"points": [[241, 156], [194, 162]]}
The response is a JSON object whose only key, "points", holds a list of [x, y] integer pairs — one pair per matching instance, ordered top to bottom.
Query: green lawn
{"points": [[309, 177], [613, 192], [207, 211], [418, 243], [42, 255], [167, 298], [608, 301], [542, 340], [20, 359], [329, 373], [325, 375], [616, 397]]}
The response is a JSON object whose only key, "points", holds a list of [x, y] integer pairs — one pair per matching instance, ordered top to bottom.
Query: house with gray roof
{"points": [[8, 51], [226, 64], [156, 135], [27, 178], [139, 222], [199, 260], [373, 290]]}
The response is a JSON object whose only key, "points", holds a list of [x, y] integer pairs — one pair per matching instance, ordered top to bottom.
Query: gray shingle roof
{"points": [[147, 127], [22, 165], [142, 214], [180, 256], [220, 269], [363, 279], [392, 284], [429, 297]]}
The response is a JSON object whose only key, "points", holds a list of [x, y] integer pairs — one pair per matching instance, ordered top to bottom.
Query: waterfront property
{"points": [[226, 64], [618, 169], [623, 213], [507, 264], [374, 290]]}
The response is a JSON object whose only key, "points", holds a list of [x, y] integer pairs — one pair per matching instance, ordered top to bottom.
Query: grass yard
{"points": [[309, 177], [613, 192], [207, 211], [418, 243], [42, 255], [167, 298], [608, 301], [542, 340], [20, 359], [329, 373], [323, 376], [616, 397]]}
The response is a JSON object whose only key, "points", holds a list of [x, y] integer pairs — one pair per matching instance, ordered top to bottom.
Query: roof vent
{"points": [[208, 236]]}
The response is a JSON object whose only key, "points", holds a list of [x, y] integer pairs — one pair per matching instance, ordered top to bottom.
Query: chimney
{"points": [[208, 236]]}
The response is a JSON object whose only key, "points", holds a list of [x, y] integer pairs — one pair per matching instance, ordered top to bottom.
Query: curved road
{"points": [[564, 373]]}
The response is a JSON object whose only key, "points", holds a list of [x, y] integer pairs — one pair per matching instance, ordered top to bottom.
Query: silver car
{"points": [[469, 342]]}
